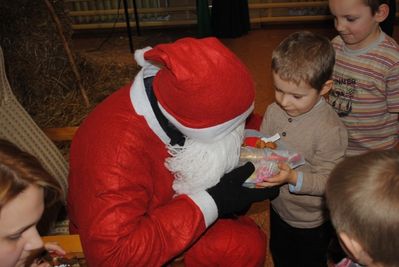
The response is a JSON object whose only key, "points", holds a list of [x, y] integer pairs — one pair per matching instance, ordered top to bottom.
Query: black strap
{"points": [[176, 137]]}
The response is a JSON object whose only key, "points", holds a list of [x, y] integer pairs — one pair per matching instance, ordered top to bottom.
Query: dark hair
{"points": [[375, 4], [304, 57], [18, 170]]}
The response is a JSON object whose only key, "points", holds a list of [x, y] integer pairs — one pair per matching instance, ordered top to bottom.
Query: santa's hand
{"points": [[231, 197]]}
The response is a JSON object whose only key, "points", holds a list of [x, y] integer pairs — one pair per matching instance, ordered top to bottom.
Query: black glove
{"points": [[231, 197]]}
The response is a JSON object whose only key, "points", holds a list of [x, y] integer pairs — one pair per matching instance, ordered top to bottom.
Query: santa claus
{"points": [[153, 169]]}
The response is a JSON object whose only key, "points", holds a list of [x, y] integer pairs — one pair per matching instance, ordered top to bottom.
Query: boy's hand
{"points": [[286, 175], [53, 249]]}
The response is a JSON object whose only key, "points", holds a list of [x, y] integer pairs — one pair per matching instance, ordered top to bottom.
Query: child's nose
{"points": [[339, 25], [284, 100], [33, 239]]}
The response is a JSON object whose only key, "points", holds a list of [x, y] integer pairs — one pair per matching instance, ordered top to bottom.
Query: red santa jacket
{"points": [[120, 198]]}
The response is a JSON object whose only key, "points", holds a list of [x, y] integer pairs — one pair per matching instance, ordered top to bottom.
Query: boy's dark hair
{"points": [[375, 4], [304, 57], [363, 197]]}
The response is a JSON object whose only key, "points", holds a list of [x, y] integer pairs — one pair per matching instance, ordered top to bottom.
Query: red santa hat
{"points": [[203, 89]]}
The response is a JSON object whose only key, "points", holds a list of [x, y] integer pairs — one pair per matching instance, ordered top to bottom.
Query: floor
{"points": [[254, 49]]}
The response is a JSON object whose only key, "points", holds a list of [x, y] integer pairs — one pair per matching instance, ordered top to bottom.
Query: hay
{"points": [[39, 71]]}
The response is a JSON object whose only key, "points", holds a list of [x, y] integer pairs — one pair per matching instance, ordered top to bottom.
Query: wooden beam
{"points": [[287, 5], [99, 12], [102, 12], [290, 18], [110, 25], [60, 134]]}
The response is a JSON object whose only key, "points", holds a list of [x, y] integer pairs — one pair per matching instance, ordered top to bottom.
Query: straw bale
{"points": [[38, 68]]}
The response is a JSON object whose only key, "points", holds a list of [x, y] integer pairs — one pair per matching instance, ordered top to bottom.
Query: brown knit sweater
{"points": [[322, 139]]}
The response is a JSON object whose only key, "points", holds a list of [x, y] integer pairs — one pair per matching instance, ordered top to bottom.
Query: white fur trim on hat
{"points": [[139, 56], [209, 134]]}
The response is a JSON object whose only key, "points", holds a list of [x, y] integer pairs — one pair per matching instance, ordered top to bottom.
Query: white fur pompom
{"points": [[139, 56]]}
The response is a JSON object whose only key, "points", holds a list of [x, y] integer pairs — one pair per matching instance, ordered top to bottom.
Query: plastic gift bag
{"points": [[272, 151]]}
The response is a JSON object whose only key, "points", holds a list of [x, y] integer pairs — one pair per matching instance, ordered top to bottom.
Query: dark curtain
{"points": [[230, 18], [203, 19], [388, 24]]}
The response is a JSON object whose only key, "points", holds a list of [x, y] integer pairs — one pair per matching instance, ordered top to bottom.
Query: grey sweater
{"points": [[322, 139]]}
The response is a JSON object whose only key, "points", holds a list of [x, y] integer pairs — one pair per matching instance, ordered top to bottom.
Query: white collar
{"points": [[141, 103]]}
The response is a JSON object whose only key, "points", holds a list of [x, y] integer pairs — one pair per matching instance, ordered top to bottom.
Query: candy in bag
{"points": [[266, 160]]}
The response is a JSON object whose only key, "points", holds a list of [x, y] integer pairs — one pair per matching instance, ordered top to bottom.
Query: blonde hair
{"points": [[304, 57], [18, 170], [363, 197]]}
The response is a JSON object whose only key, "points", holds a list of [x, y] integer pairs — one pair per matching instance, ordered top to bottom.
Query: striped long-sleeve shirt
{"points": [[366, 93]]}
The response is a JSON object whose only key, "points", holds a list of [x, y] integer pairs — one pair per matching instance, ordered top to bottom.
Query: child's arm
{"points": [[392, 89], [330, 149], [311, 178]]}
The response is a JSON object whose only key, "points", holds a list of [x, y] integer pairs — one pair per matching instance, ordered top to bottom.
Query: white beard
{"points": [[198, 165]]}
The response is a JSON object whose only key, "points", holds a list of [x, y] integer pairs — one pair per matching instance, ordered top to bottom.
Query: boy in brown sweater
{"points": [[302, 66]]}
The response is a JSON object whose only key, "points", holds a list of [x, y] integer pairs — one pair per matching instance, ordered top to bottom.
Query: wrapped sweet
{"points": [[266, 158], [68, 260]]}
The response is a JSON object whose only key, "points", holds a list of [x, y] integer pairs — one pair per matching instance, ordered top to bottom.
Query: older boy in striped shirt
{"points": [[366, 75]]}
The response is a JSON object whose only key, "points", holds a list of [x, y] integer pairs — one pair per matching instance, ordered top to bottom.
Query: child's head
{"points": [[357, 21], [302, 66], [24, 184], [362, 195]]}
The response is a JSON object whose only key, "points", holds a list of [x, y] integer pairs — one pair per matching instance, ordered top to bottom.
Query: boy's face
{"points": [[354, 22], [294, 99]]}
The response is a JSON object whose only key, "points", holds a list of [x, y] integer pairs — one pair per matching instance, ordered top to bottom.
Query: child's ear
{"points": [[382, 13], [326, 87], [351, 245], [354, 249]]}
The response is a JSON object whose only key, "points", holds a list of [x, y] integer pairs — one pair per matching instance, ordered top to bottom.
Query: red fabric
{"points": [[203, 83], [254, 121], [120, 198], [221, 239]]}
